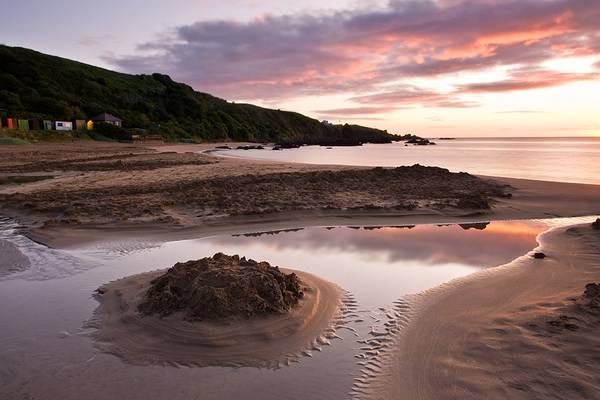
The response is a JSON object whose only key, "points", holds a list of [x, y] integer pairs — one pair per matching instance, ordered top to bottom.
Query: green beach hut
{"points": [[23, 124], [47, 125]]}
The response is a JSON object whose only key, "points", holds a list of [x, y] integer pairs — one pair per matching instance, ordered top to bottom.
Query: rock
{"points": [[419, 141], [223, 147], [596, 225], [479, 226], [539, 256], [222, 286], [592, 291], [589, 301]]}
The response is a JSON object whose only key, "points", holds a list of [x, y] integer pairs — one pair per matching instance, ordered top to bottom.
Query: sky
{"points": [[430, 67]]}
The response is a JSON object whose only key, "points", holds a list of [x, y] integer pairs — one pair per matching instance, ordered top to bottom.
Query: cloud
{"points": [[95, 41], [362, 51], [529, 79], [414, 96], [353, 111], [521, 112], [497, 244]]}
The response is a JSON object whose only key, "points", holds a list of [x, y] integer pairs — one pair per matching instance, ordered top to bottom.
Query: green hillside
{"points": [[33, 84]]}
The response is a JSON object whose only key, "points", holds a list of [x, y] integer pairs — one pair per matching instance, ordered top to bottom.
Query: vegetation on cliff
{"points": [[33, 84]]}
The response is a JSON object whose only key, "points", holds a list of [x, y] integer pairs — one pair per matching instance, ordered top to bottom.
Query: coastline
{"points": [[106, 191], [531, 200], [500, 333], [424, 363]]}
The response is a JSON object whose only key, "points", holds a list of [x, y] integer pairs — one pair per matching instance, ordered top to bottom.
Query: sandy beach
{"points": [[82, 192], [518, 331], [510, 332], [260, 342]]}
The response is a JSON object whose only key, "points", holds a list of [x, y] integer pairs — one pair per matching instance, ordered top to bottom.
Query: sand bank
{"points": [[171, 192], [512, 332], [264, 341]]}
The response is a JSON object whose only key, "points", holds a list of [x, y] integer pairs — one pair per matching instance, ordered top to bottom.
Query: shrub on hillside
{"points": [[111, 131]]}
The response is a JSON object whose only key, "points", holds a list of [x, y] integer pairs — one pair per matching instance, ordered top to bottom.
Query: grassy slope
{"points": [[35, 84]]}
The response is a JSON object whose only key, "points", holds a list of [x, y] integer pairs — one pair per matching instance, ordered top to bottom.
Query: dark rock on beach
{"points": [[420, 141], [478, 225], [596, 225], [539, 256], [222, 286], [590, 300]]}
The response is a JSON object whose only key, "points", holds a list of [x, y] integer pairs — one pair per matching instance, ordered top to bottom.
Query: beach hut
{"points": [[3, 113], [107, 118], [10, 123], [23, 124], [35, 124], [79, 124], [47, 125], [90, 125], [63, 126]]}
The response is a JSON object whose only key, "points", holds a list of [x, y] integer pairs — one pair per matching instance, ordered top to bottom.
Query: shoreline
{"points": [[176, 192], [530, 200], [67, 237], [444, 341], [445, 347]]}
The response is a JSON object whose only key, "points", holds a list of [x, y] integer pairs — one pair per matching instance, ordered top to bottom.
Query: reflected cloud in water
{"points": [[479, 245]]}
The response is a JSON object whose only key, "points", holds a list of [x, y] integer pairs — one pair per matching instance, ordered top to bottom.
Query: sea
{"points": [[550, 159]]}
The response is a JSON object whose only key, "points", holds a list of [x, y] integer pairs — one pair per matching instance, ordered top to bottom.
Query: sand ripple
{"points": [[272, 341]]}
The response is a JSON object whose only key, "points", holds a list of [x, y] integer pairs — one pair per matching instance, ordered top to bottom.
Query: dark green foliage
{"points": [[33, 84], [111, 131]]}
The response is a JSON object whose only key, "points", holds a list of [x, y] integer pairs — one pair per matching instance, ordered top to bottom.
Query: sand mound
{"points": [[222, 286], [175, 327]]}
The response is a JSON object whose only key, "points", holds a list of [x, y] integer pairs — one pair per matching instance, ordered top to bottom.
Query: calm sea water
{"points": [[551, 159], [43, 354]]}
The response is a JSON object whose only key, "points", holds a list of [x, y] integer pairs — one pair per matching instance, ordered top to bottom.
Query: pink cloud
{"points": [[362, 51], [529, 79]]}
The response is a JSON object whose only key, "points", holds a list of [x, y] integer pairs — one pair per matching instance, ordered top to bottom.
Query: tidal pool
{"points": [[45, 352]]}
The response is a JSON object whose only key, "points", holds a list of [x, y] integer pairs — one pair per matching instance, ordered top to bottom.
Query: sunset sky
{"points": [[435, 68]]}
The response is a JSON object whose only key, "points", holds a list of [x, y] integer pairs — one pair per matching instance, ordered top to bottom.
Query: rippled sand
{"points": [[510, 332], [264, 341]]}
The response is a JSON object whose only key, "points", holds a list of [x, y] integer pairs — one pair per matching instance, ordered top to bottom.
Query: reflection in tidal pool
{"points": [[43, 353]]}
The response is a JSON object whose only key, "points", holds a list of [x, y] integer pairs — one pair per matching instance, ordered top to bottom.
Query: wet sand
{"points": [[102, 190], [12, 259], [511, 332], [485, 336], [260, 342]]}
